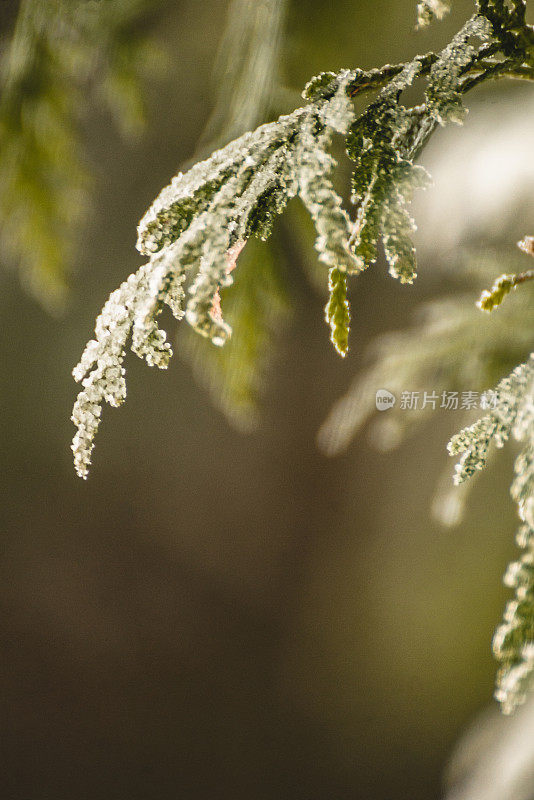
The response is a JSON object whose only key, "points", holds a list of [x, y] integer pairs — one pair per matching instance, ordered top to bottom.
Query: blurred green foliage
{"points": [[63, 55]]}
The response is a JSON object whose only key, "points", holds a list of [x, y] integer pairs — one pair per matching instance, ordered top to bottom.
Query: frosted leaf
{"points": [[444, 98], [337, 114], [381, 143], [191, 193], [332, 222], [199, 223], [193, 233], [399, 249], [490, 299], [129, 312], [512, 413], [496, 427]]}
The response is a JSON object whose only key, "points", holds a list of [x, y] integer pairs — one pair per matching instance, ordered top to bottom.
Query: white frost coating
{"points": [[445, 104], [338, 113], [200, 222], [226, 222], [334, 226], [155, 228], [130, 310], [496, 427], [513, 643]]}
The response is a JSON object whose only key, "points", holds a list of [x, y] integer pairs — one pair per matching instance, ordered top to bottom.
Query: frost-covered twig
{"points": [[204, 217], [200, 223], [512, 414]]}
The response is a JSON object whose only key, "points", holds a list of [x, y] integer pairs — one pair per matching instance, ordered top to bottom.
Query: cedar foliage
{"points": [[194, 232]]}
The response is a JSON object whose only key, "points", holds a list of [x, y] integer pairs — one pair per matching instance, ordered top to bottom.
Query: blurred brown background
{"points": [[214, 615]]}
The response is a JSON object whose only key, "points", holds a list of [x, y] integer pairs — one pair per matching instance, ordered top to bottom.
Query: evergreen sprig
{"points": [[381, 143], [202, 222], [196, 228], [194, 232], [432, 353], [511, 414]]}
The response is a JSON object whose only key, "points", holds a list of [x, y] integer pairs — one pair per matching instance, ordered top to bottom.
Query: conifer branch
{"points": [[195, 229], [194, 232], [512, 414]]}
